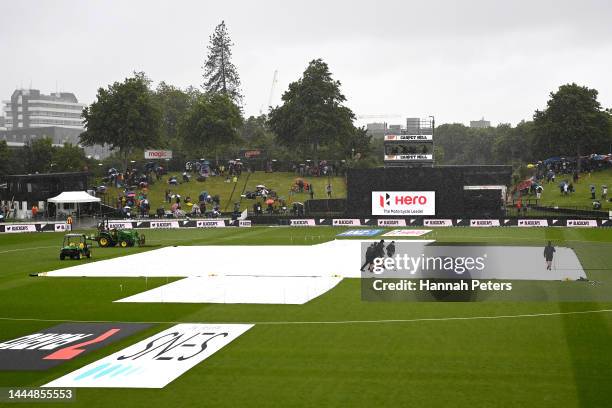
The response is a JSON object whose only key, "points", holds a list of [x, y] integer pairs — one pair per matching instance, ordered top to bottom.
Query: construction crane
{"points": [[272, 88], [271, 96]]}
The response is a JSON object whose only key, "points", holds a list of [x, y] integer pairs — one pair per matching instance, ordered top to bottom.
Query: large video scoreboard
{"points": [[415, 146]]}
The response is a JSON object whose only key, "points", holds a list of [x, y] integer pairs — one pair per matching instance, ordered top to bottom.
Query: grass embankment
{"points": [[280, 182]]}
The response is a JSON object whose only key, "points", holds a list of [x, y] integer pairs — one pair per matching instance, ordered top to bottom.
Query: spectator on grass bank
{"points": [[328, 189], [311, 190], [593, 190], [604, 192], [549, 253]]}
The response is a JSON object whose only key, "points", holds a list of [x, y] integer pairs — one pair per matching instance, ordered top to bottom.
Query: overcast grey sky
{"points": [[457, 60]]}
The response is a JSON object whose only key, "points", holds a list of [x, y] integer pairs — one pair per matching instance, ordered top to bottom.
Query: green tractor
{"points": [[110, 237], [75, 247]]}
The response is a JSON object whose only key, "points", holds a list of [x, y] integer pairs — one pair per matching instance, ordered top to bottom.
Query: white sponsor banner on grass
{"points": [[345, 221], [244, 223], [302, 223], [391, 223], [437, 223], [484, 223], [533, 223], [582, 223], [164, 224], [210, 224], [120, 225], [61, 226], [15, 228], [406, 233], [156, 361]]}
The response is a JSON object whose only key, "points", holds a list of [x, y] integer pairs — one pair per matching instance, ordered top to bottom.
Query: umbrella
{"points": [[530, 166], [260, 186], [131, 195], [269, 201]]}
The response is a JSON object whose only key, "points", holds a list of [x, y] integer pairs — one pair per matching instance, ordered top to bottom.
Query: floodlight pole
{"points": [[433, 131]]}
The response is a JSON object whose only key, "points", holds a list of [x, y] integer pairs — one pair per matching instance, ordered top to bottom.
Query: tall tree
{"points": [[220, 74], [312, 114], [124, 116], [573, 123], [211, 124], [38, 156], [69, 158], [5, 159]]}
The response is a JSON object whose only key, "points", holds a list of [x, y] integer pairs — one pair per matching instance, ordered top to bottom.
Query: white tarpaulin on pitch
{"points": [[74, 197], [281, 290]]}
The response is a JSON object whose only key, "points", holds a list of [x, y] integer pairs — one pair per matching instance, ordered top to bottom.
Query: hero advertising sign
{"points": [[403, 202]]}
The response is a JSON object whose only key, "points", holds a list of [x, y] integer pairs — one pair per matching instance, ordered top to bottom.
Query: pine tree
{"points": [[220, 75]]}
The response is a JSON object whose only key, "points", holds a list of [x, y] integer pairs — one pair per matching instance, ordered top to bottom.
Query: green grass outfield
{"points": [[557, 359]]}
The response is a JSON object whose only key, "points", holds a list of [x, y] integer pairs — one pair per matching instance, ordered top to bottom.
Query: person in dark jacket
{"points": [[380, 249], [391, 249], [549, 253], [369, 257]]}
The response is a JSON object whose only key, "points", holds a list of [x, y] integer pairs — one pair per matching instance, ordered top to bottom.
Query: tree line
{"points": [[311, 122], [572, 124]]}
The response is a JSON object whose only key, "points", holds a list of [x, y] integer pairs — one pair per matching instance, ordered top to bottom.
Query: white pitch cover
{"points": [[156, 361]]}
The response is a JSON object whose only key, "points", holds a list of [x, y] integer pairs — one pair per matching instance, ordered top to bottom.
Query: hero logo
{"points": [[403, 203]]}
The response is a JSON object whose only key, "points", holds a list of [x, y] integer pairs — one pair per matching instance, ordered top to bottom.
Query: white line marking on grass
{"points": [[27, 249], [424, 319]]}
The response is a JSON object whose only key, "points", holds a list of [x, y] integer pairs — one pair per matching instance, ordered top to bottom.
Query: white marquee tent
{"points": [[71, 197], [74, 197]]}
